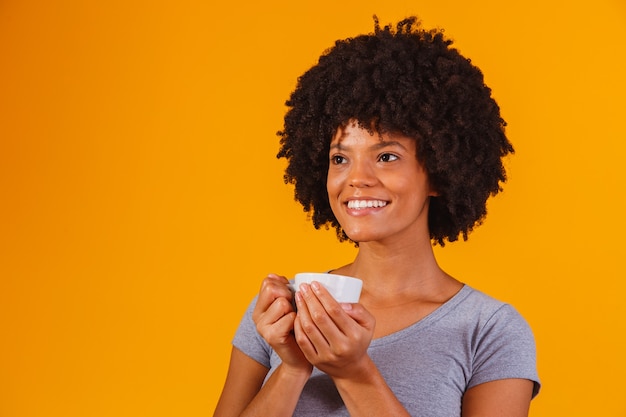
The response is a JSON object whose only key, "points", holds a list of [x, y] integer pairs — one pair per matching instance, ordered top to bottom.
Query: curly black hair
{"points": [[409, 81]]}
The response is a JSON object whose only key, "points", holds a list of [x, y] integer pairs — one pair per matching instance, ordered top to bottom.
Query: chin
{"points": [[361, 236]]}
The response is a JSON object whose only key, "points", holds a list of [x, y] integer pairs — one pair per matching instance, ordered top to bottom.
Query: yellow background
{"points": [[141, 203]]}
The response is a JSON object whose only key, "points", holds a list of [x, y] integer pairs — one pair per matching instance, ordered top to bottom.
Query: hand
{"points": [[274, 317], [333, 337]]}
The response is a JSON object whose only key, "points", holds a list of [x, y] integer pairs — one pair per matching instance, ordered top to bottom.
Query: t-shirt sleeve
{"points": [[249, 341], [506, 349]]}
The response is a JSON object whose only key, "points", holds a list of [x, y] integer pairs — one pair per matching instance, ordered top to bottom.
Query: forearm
{"points": [[367, 394], [279, 395]]}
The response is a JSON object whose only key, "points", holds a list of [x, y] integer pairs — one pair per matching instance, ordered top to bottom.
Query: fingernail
{"points": [[316, 286], [304, 288], [346, 306]]}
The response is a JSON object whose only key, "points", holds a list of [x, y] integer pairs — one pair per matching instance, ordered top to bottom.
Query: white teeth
{"points": [[361, 204]]}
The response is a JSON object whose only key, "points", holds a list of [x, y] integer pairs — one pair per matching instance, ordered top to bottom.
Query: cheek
{"points": [[332, 185], [333, 190]]}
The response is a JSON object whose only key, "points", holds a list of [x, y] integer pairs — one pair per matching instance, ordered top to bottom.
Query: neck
{"points": [[390, 271]]}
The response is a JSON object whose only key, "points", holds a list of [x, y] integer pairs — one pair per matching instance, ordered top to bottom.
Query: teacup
{"points": [[344, 289]]}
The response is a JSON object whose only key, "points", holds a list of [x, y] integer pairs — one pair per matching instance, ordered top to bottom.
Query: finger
{"points": [[278, 278], [277, 283], [272, 287], [279, 308], [327, 313], [360, 315], [307, 323], [279, 332], [303, 341]]}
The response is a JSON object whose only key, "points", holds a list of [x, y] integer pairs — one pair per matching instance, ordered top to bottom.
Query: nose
{"points": [[361, 175]]}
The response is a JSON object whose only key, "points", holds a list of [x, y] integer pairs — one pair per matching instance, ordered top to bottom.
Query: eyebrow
{"points": [[380, 145]]}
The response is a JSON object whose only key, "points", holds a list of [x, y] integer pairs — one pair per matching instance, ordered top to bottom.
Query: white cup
{"points": [[344, 289]]}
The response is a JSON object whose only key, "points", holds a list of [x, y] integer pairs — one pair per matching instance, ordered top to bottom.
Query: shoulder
{"points": [[475, 298], [484, 309], [491, 328], [502, 342]]}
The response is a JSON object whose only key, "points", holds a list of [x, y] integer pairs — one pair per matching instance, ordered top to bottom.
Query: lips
{"points": [[364, 204]]}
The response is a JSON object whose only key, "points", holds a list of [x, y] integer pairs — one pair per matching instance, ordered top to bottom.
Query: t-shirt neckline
{"points": [[432, 317]]}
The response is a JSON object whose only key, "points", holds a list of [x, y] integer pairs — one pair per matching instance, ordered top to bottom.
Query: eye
{"points": [[387, 157], [337, 160]]}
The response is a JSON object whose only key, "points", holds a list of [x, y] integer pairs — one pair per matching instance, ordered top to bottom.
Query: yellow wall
{"points": [[141, 203]]}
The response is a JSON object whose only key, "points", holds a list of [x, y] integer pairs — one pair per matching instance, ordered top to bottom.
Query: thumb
{"points": [[359, 314]]}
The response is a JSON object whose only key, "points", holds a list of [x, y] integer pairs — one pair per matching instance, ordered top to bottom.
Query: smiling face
{"points": [[377, 188]]}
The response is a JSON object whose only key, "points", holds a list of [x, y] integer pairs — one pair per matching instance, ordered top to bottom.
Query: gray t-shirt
{"points": [[469, 340]]}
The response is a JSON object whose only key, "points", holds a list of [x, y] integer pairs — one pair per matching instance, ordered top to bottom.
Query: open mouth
{"points": [[363, 204]]}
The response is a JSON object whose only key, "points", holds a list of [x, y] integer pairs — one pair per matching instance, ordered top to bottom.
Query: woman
{"points": [[394, 140]]}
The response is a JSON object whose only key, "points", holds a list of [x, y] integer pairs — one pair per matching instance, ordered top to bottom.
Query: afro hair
{"points": [[406, 80]]}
